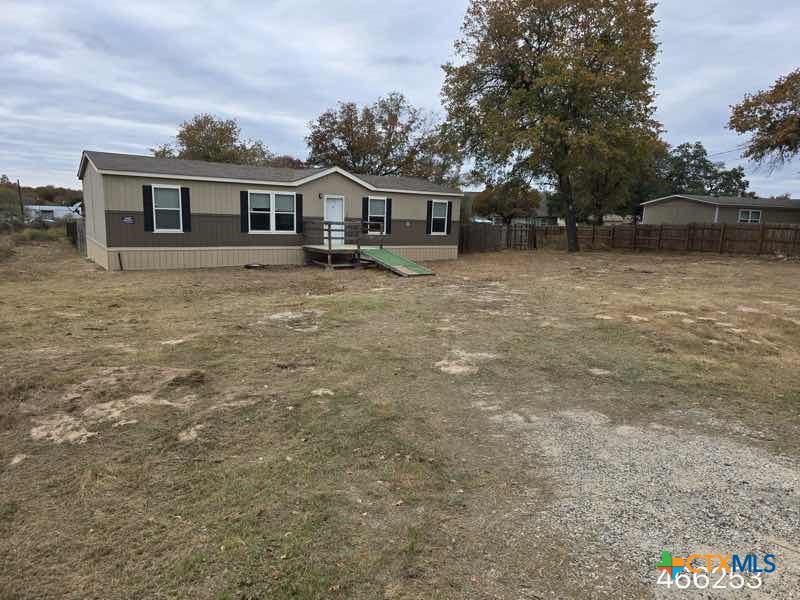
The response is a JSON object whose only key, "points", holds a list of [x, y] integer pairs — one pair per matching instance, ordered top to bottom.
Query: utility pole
{"points": [[21, 205]]}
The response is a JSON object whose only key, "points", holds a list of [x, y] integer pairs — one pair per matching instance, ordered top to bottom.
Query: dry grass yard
{"points": [[521, 425]]}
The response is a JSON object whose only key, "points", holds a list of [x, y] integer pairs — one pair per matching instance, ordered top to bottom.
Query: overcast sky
{"points": [[120, 75]]}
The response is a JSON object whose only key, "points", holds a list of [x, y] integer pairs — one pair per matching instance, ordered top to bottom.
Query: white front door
{"points": [[334, 213]]}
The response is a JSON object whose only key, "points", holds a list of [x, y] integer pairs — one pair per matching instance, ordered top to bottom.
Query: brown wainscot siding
{"points": [[207, 230], [405, 232], [413, 233]]}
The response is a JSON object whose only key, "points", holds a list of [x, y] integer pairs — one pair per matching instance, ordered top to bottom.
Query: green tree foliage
{"points": [[542, 85], [772, 119], [204, 137], [388, 137], [284, 160], [685, 169], [690, 171], [609, 182], [509, 200]]}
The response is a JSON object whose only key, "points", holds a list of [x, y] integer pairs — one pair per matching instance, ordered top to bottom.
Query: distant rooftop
{"points": [[734, 201]]}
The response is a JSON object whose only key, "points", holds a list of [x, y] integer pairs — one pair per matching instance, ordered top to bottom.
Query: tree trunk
{"points": [[565, 187], [598, 212]]}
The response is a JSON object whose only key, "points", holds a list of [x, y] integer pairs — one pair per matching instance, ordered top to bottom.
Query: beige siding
{"points": [[124, 193], [94, 204], [678, 212], [729, 214], [97, 252], [134, 259]]}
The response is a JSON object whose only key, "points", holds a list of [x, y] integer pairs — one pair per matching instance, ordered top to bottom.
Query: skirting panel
{"points": [[97, 252], [426, 253], [137, 259]]}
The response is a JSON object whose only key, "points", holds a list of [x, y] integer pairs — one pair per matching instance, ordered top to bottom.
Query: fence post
{"points": [[533, 229], [689, 229], [594, 233], [613, 235], [660, 236], [722, 239], [761, 239], [633, 240], [794, 241]]}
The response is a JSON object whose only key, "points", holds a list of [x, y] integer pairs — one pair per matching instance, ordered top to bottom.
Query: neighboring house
{"points": [[680, 209], [47, 212], [155, 213], [615, 219]]}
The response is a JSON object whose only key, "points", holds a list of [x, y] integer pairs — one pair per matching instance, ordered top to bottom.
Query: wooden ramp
{"points": [[394, 262]]}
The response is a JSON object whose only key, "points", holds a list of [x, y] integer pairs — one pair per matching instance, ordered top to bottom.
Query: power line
{"points": [[741, 147]]}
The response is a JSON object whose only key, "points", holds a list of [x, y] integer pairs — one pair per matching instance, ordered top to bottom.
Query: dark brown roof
{"points": [[176, 167], [742, 201]]}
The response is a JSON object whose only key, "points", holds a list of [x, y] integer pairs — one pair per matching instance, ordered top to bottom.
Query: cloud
{"points": [[120, 76]]}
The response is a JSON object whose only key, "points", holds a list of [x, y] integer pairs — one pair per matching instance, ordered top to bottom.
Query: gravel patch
{"points": [[633, 491]]}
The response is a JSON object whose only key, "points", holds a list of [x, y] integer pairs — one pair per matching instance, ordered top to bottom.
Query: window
{"points": [[167, 209], [260, 212], [271, 212], [284, 212], [377, 214], [750, 216], [439, 218]]}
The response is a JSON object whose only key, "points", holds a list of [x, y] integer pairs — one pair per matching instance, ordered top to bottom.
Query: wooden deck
{"points": [[342, 249], [331, 255], [336, 257]]}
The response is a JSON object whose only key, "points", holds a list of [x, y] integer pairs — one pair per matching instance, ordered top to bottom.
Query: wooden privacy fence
{"points": [[76, 232], [480, 237], [694, 237]]}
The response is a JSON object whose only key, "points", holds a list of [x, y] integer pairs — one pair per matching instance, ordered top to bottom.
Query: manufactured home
{"points": [[681, 209], [143, 212]]}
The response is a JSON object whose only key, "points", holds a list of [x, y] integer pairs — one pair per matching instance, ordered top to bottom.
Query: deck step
{"points": [[394, 262]]}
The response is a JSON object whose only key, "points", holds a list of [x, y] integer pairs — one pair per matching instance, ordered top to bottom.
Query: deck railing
{"points": [[333, 233]]}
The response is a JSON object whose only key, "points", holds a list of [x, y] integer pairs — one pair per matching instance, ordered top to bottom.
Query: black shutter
{"points": [[147, 207], [243, 208], [365, 209], [186, 210], [298, 212], [388, 216], [449, 217], [428, 223]]}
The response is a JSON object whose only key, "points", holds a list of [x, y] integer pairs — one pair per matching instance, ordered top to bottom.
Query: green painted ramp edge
{"points": [[392, 261]]}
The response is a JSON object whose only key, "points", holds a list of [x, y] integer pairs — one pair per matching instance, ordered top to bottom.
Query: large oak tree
{"points": [[541, 86], [772, 119], [205, 137], [388, 137]]}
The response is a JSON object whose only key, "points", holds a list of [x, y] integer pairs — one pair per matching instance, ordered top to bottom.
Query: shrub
{"points": [[37, 235], [6, 247]]}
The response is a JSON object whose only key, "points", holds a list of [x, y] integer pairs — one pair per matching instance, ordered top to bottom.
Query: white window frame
{"points": [[179, 209], [272, 212], [369, 214], [446, 218], [749, 219]]}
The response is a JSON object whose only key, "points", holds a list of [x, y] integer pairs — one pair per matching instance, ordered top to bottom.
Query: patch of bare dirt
{"points": [[463, 363], [131, 389], [59, 428]]}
